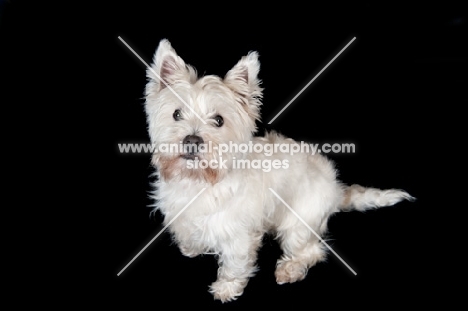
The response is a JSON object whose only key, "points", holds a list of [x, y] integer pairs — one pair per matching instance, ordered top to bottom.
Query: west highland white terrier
{"points": [[220, 194]]}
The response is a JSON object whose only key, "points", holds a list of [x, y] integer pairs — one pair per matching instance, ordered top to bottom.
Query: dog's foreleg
{"points": [[236, 265]]}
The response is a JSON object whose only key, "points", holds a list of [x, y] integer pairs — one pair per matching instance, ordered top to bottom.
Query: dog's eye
{"points": [[177, 115], [219, 120]]}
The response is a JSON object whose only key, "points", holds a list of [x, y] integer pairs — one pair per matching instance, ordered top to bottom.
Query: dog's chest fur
{"points": [[219, 213]]}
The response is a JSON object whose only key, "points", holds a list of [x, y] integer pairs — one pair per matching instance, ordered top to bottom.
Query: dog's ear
{"points": [[167, 69], [243, 80]]}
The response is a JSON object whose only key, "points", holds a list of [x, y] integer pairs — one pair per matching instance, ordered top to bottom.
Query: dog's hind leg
{"points": [[301, 250]]}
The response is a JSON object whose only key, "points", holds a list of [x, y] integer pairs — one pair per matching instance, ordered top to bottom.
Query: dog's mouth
{"points": [[189, 156]]}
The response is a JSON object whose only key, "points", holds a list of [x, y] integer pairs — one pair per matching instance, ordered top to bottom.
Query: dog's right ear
{"points": [[167, 69]]}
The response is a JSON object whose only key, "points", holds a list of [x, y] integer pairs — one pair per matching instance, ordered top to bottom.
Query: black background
{"points": [[396, 93]]}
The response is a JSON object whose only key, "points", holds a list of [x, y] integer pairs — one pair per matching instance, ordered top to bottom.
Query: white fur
{"points": [[230, 217]]}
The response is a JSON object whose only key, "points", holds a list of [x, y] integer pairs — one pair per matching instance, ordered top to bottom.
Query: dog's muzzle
{"points": [[191, 146]]}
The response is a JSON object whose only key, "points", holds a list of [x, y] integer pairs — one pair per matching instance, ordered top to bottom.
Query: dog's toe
{"points": [[290, 272], [227, 290]]}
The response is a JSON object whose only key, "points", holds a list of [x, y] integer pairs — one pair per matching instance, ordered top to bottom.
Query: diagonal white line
{"points": [[162, 80], [303, 89], [308, 227], [162, 230]]}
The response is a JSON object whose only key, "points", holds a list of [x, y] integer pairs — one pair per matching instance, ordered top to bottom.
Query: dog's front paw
{"points": [[290, 271], [227, 290]]}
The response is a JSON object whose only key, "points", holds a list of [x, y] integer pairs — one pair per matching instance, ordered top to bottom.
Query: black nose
{"points": [[193, 139], [191, 143]]}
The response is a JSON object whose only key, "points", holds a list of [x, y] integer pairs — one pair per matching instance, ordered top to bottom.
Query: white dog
{"points": [[237, 205]]}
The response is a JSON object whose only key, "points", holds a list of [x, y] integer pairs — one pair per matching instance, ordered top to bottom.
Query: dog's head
{"points": [[185, 113]]}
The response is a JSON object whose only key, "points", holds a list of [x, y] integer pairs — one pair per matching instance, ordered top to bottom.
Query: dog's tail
{"points": [[360, 198]]}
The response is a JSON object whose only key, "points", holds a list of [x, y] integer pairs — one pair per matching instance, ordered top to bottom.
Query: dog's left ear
{"points": [[243, 80]]}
